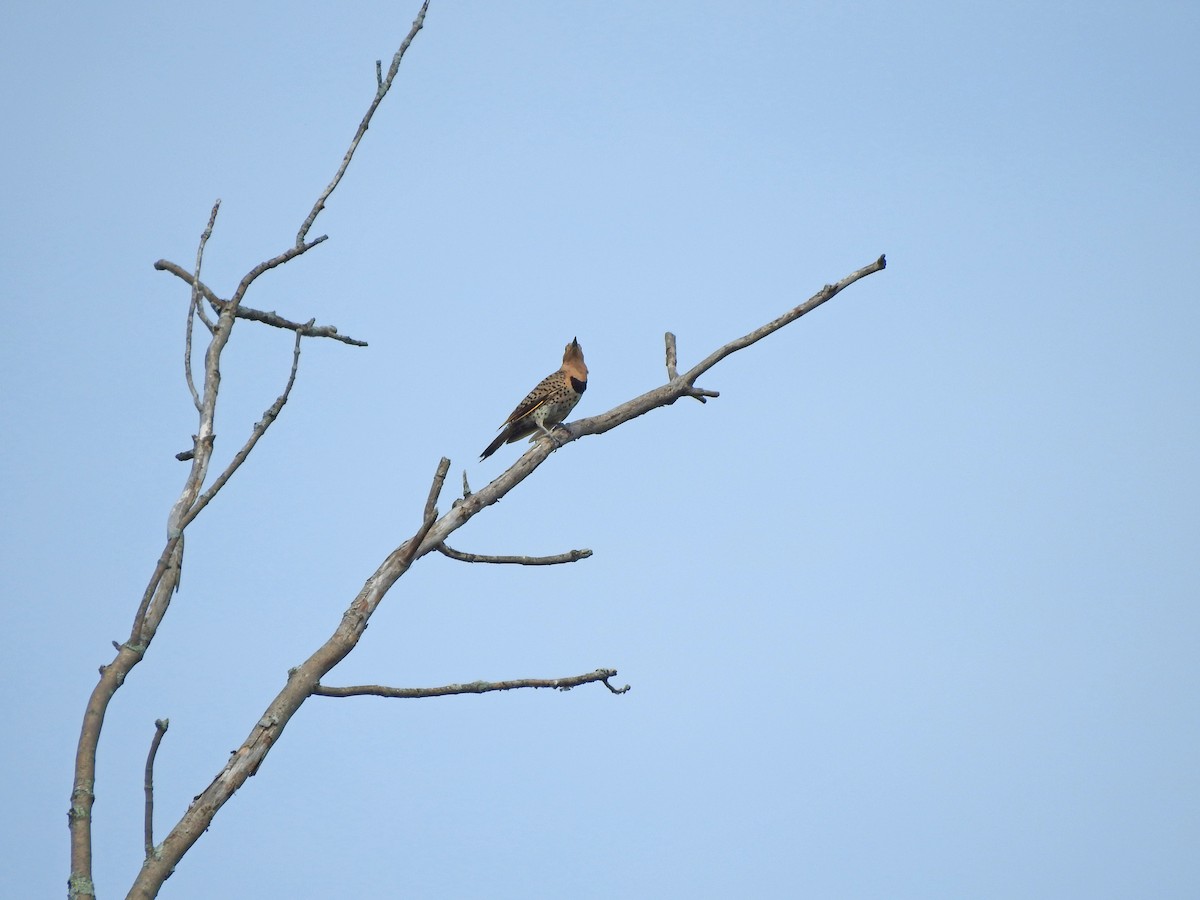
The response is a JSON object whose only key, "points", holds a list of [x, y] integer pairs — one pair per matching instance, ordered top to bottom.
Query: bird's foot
{"points": [[554, 438]]}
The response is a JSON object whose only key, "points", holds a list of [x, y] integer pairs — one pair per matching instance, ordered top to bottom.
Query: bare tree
{"points": [[216, 317]]}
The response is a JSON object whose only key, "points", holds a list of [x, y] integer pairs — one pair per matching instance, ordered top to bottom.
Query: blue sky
{"points": [[909, 611]]}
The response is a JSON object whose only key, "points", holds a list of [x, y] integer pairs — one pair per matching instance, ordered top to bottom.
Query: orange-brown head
{"points": [[573, 363]]}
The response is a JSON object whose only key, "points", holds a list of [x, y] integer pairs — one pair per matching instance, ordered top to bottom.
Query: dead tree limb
{"points": [[304, 329], [558, 559], [474, 687]]}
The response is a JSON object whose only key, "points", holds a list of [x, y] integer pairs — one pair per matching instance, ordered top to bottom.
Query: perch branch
{"points": [[381, 90], [569, 557], [475, 687], [160, 728]]}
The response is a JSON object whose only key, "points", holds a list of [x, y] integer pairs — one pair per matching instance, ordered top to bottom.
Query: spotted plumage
{"points": [[548, 403]]}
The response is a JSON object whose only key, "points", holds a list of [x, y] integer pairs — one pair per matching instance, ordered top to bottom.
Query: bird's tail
{"points": [[494, 445]]}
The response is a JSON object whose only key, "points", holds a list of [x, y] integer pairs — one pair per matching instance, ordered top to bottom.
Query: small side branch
{"points": [[569, 557], [475, 687], [160, 728]]}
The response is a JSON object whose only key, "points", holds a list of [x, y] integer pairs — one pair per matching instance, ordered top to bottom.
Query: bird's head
{"points": [[573, 363]]}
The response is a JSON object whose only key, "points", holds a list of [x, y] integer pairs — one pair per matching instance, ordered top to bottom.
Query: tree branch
{"points": [[305, 329], [569, 557], [475, 687], [160, 728]]}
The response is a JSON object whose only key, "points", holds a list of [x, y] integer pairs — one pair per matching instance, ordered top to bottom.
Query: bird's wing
{"points": [[532, 401]]}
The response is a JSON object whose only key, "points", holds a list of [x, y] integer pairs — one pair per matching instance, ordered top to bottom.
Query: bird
{"points": [[548, 403]]}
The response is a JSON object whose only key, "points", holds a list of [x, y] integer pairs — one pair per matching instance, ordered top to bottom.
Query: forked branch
{"points": [[304, 329]]}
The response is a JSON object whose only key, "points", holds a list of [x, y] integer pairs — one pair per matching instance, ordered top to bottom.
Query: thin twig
{"points": [[380, 92], [260, 428], [568, 557], [474, 687], [620, 690], [160, 728]]}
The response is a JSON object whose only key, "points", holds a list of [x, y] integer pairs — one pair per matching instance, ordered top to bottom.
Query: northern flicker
{"points": [[548, 403]]}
